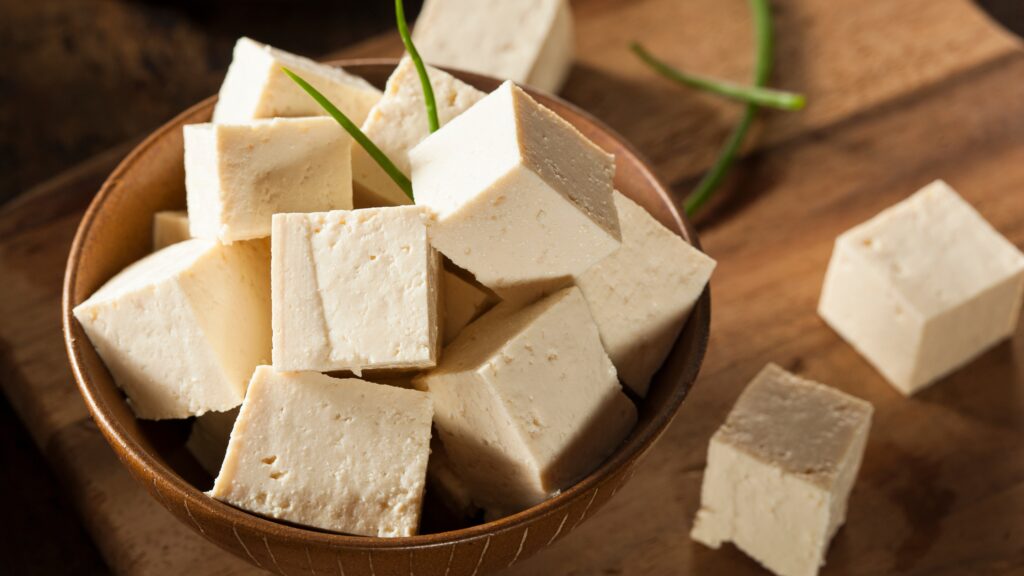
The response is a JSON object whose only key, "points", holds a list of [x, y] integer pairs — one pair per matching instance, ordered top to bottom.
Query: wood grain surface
{"points": [[900, 93]]}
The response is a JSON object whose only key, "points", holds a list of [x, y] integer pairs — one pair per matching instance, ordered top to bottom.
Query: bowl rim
{"points": [[164, 480]]}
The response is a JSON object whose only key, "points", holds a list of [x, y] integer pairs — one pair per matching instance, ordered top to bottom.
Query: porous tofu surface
{"points": [[479, 36], [256, 87], [398, 122], [237, 176], [520, 195], [170, 227], [923, 288], [355, 290], [641, 295], [182, 329], [527, 402], [804, 428], [344, 455], [780, 471]]}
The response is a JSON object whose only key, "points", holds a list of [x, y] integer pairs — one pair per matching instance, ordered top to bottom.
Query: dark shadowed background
{"points": [[79, 77]]}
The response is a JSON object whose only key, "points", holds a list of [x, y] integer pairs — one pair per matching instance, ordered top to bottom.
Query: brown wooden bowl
{"points": [[116, 231]]}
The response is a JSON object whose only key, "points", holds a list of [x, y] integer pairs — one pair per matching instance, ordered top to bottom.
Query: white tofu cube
{"points": [[526, 41], [256, 87], [398, 123], [237, 176], [521, 197], [170, 227], [923, 288], [355, 290], [641, 295], [464, 301], [182, 329], [527, 402], [208, 440], [341, 455], [780, 471]]}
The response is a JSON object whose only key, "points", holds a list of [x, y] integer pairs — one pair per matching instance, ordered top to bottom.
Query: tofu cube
{"points": [[526, 41], [256, 87], [398, 123], [239, 175], [521, 197], [170, 227], [923, 288], [355, 290], [641, 295], [464, 301], [182, 329], [527, 402], [208, 440], [341, 455], [780, 471]]}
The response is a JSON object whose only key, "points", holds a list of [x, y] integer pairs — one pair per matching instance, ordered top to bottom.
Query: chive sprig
{"points": [[763, 61], [428, 90], [753, 96], [766, 97], [385, 163]]}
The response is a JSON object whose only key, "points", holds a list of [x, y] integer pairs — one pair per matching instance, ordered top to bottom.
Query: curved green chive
{"points": [[762, 69], [428, 90], [767, 97], [357, 134]]}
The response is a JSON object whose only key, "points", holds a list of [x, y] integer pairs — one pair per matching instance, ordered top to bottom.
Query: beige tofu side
{"points": [[255, 87], [237, 176], [923, 287], [355, 290], [642, 294], [182, 329], [513, 437], [338, 454]]}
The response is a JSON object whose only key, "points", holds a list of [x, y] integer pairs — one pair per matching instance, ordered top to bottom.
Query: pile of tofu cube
{"points": [[920, 290], [334, 358]]}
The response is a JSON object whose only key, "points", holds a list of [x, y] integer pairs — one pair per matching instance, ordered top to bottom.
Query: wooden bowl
{"points": [[116, 231]]}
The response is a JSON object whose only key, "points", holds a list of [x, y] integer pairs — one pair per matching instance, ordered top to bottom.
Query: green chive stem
{"points": [[762, 70], [428, 90], [768, 97], [357, 134]]}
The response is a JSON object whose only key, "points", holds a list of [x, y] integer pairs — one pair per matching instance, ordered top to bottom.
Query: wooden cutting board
{"points": [[900, 93]]}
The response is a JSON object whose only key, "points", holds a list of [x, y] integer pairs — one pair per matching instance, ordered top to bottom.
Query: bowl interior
{"points": [[117, 230]]}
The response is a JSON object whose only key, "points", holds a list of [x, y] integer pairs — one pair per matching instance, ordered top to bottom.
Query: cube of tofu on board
{"points": [[526, 41], [256, 87], [398, 122], [237, 176], [520, 196], [923, 288], [355, 290], [182, 329], [527, 402], [342, 455], [780, 471]]}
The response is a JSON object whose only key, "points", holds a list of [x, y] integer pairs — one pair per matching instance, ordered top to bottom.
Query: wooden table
{"points": [[900, 93]]}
